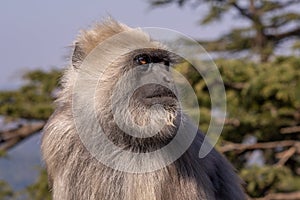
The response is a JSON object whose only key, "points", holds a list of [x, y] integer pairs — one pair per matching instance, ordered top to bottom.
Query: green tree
{"points": [[270, 24], [34, 99], [263, 100], [32, 102]]}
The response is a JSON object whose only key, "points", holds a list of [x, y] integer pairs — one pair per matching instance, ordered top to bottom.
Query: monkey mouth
{"points": [[165, 93], [151, 94], [165, 98]]}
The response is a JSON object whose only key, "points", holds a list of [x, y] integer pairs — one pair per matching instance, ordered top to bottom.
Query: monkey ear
{"points": [[78, 55]]}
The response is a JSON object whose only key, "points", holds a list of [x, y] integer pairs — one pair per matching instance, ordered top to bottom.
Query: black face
{"points": [[149, 60]]}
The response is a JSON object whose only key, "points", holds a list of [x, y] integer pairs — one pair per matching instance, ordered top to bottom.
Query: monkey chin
{"points": [[156, 102], [158, 117]]}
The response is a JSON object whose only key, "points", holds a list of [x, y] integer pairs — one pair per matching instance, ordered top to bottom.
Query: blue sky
{"points": [[36, 34]]}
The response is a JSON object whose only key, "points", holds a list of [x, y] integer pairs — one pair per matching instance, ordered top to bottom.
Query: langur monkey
{"points": [[75, 173]]}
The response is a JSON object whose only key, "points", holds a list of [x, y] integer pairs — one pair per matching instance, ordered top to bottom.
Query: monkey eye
{"points": [[142, 59], [167, 63]]}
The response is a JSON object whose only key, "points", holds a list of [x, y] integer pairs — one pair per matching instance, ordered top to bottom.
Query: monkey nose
{"points": [[166, 79]]}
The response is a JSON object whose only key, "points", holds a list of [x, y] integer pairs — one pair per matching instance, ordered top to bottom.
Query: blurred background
{"points": [[255, 44]]}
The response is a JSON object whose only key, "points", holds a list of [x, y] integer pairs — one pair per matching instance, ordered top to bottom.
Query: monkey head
{"points": [[135, 93]]}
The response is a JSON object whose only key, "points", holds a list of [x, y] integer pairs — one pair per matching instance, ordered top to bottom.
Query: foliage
{"points": [[270, 24], [269, 96], [34, 99], [262, 100], [263, 180]]}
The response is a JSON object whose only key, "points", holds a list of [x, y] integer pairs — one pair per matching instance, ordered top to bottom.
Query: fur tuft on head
{"points": [[89, 39]]}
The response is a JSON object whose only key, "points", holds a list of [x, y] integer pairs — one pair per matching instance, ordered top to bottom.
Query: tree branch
{"points": [[288, 3], [242, 11], [278, 37], [236, 86], [232, 121], [288, 130], [12, 137], [263, 145], [285, 156], [281, 196]]}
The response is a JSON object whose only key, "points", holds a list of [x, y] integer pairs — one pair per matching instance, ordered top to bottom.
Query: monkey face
{"points": [[154, 64], [134, 89], [142, 97]]}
